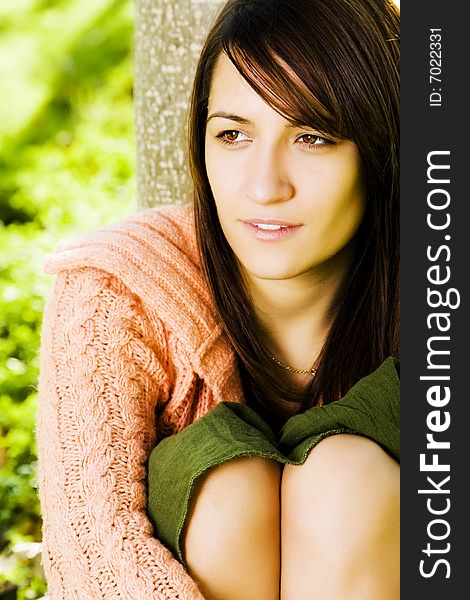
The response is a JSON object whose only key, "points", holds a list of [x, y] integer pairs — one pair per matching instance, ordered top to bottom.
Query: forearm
{"points": [[99, 385]]}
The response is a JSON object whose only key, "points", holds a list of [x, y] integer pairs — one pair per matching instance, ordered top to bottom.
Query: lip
{"points": [[265, 221], [270, 235]]}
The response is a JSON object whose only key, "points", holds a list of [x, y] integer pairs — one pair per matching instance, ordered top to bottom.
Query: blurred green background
{"points": [[67, 165]]}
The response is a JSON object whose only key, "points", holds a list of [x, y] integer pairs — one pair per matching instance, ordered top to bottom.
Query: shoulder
{"points": [[144, 236], [153, 254], [151, 258]]}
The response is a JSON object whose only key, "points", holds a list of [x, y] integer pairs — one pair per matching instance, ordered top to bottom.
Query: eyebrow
{"points": [[230, 117], [239, 119]]}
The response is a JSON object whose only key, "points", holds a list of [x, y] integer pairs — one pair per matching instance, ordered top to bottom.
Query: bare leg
{"points": [[340, 523], [231, 542]]}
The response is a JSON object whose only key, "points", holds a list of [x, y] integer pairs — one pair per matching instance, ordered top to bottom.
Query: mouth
{"points": [[270, 224], [270, 229]]}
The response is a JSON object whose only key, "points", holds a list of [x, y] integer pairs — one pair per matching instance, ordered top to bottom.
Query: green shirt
{"points": [[230, 430]]}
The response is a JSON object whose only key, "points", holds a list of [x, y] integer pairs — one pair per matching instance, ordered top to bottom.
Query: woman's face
{"points": [[289, 201]]}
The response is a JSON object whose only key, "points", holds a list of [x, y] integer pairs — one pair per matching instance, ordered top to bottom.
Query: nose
{"points": [[268, 180]]}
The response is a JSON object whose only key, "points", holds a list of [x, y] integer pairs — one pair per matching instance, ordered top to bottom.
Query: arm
{"points": [[101, 377]]}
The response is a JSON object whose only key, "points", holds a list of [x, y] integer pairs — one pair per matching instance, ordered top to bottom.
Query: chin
{"points": [[272, 271]]}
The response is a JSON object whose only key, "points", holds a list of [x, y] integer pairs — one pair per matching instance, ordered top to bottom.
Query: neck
{"points": [[296, 313]]}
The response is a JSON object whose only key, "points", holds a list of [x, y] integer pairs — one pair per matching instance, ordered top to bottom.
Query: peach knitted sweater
{"points": [[131, 351]]}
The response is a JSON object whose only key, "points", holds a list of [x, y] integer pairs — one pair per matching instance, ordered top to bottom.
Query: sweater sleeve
{"points": [[102, 374]]}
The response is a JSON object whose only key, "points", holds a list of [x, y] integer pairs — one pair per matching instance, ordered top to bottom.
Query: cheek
{"points": [[208, 163], [214, 170], [224, 184], [219, 187], [357, 196], [342, 202], [353, 208]]}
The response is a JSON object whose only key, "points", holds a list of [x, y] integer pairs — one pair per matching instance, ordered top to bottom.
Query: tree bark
{"points": [[168, 38]]}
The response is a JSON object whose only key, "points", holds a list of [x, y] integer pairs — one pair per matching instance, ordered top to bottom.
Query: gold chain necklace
{"points": [[311, 371]]}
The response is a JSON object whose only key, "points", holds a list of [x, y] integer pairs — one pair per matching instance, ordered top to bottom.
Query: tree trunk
{"points": [[168, 38]]}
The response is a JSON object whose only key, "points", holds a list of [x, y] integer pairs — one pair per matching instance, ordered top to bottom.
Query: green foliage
{"points": [[67, 156]]}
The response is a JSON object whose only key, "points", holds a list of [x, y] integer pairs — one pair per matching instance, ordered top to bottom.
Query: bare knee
{"points": [[341, 510], [231, 540]]}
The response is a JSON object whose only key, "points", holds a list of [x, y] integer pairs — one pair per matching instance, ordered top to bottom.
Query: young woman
{"points": [[236, 358]]}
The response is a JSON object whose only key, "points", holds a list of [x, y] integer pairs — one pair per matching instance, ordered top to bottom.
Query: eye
{"points": [[231, 137], [313, 141]]}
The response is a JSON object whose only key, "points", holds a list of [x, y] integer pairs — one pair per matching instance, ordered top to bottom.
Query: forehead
{"points": [[229, 86], [279, 95], [233, 97]]}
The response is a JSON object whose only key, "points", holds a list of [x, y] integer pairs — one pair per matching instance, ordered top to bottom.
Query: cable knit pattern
{"points": [[131, 351]]}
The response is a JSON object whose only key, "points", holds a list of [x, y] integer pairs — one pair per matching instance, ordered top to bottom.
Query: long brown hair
{"points": [[333, 65]]}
